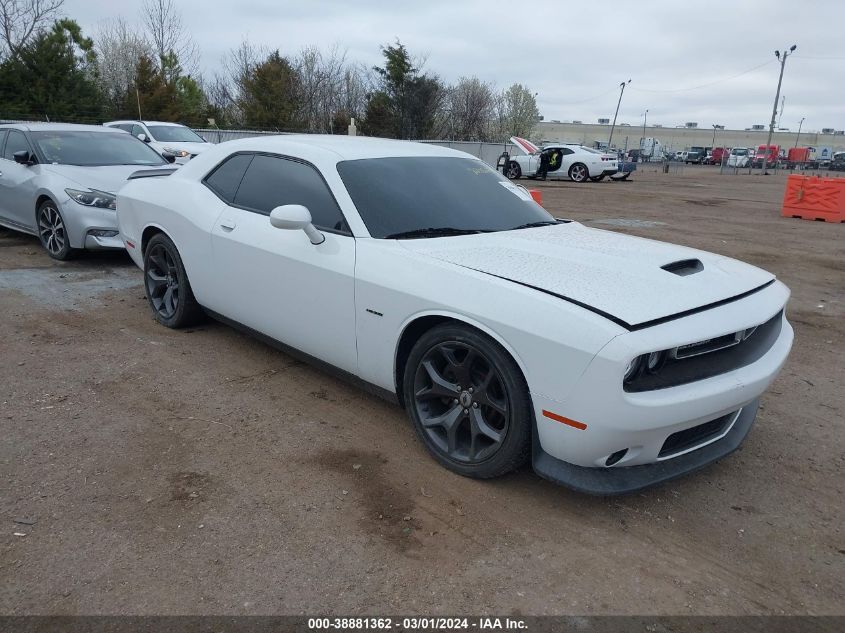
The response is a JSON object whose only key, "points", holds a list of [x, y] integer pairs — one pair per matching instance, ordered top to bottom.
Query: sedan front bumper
{"points": [[626, 479]]}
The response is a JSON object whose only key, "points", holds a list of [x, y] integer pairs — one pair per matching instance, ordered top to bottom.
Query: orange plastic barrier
{"points": [[537, 195], [814, 198]]}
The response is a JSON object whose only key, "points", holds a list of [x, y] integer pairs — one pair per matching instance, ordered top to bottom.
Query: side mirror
{"points": [[143, 137], [23, 157], [170, 158], [295, 217]]}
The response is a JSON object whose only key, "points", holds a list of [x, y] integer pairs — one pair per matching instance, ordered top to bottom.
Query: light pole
{"points": [[782, 59], [621, 92], [799, 131], [642, 142]]}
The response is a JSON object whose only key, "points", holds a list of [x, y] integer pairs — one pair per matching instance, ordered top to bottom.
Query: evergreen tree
{"points": [[53, 77]]}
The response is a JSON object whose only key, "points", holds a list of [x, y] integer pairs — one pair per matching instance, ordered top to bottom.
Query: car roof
{"points": [[160, 123], [56, 127], [341, 146]]}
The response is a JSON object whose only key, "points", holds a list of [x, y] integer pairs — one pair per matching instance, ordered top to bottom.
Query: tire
{"points": [[513, 171], [578, 172], [597, 178], [52, 232], [166, 284], [482, 430]]}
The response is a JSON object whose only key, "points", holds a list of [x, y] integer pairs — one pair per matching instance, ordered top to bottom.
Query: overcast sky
{"points": [[573, 54]]}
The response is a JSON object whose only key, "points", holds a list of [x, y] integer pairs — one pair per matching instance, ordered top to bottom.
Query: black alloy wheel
{"points": [[166, 282], [468, 402]]}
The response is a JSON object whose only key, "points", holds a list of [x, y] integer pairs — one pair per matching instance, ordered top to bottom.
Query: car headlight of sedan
{"points": [[178, 153], [93, 198]]}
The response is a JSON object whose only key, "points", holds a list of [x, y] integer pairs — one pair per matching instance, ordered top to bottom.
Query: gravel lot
{"points": [[203, 472]]}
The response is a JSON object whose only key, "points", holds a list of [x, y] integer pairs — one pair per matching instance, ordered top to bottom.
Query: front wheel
{"points": [[513, 171], [578, 172], [52, 231], [166, 282], [468, 402]]}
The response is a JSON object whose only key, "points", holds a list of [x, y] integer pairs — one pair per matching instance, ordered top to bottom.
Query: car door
{"points": [[563, 160], [17, 184], [276, 281]]}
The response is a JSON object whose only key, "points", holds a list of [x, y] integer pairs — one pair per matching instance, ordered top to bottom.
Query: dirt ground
{"points": [[203, 472]]}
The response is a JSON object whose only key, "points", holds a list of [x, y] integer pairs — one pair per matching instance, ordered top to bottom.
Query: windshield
{"points": [[174, 134], [94, 149], [739, 152], [402, 195]]}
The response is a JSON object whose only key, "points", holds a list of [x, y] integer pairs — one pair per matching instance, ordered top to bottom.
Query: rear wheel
{"points": [[513, 170], [578, 172], [52, 231], [166, 282], [468, 402]]}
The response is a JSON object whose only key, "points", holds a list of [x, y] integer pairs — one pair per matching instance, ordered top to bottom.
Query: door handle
{"points": [[227, 225]]}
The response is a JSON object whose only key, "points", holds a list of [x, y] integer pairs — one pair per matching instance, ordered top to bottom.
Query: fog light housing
{"points": [[102, 233], [614, 459]]}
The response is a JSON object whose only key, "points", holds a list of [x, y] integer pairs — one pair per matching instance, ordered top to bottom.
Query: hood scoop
{"points": [[684, 267]]}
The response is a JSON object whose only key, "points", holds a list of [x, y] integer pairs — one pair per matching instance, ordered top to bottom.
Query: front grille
{"points": [[699, 363], [695, 436]]}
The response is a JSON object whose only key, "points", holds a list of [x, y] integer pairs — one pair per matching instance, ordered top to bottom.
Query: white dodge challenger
{"points": [[612, 362]]}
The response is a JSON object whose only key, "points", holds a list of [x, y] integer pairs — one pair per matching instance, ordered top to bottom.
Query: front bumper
{"points": [[82, 223], [95, 242], [578, 434], [626, 479]]}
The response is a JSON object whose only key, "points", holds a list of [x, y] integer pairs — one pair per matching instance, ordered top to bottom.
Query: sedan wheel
{"points": [[578, 172], [51, 231], [166, 282], [468, 402]]}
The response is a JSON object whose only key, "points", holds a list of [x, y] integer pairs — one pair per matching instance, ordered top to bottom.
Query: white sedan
{"points": [[572, 161], [612, 362]]}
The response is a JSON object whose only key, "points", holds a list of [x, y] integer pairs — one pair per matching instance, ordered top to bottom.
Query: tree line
{"points": [[149, 68]]}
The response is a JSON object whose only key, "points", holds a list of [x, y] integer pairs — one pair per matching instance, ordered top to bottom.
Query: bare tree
{"points": [[21, 20], [168, 35], [118, 47], [238, 67], [323, 81], [470, 110], [516, 112]]}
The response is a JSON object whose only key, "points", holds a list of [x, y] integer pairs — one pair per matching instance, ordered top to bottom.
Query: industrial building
{"points": [[683, 137]]}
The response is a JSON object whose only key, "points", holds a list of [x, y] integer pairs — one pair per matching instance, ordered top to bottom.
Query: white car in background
{"points": [[166, 138], [739, 157], [566, 160], [612, 362]]}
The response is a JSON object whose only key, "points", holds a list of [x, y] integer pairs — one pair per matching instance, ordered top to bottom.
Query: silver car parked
{"points": [[59, 181]]}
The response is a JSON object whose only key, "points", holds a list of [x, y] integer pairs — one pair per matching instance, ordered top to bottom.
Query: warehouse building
{"points": [[684, 137]]}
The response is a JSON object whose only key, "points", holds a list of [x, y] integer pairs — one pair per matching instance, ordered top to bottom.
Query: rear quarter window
{"points": [[227, 176]]}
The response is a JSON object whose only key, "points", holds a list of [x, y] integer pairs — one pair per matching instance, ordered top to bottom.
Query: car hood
{"points": [[109, 178], [624, 278]]}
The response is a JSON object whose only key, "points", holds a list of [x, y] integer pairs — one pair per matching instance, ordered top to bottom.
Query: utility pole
{"points": [[782, 59], [621, 92], [138, 97], [780, 116], [801, 123], [642, 143]]}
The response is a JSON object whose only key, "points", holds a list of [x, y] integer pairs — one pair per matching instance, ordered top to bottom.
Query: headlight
{"points": [[178, 153], [93, 198], [632, 368]]}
